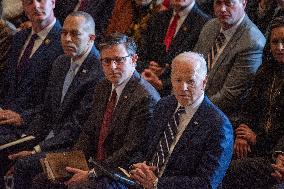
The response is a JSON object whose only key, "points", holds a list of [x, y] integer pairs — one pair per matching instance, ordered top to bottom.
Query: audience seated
{"points": [[142, 11], [262, 12], [7, 30], [168, 34], [233, 47], [28, 65], [68, 97], [122, 110], [261, 119], [190, 143]]}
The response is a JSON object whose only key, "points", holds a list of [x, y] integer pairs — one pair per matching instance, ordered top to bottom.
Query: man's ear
{"points": [[92, 37], [205, 81]]}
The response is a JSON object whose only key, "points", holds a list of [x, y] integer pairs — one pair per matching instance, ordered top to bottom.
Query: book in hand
{"points": [[17, 143], [54, 165]]}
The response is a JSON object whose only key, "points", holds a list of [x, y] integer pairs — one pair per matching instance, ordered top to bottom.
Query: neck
{"points": [[38, 26]]}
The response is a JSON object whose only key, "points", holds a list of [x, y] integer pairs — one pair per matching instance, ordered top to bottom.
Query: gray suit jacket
{"points": [[231, 76], [131, 117]]}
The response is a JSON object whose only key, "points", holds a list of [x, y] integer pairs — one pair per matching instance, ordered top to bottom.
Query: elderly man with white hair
{"points": [[190, 141]]}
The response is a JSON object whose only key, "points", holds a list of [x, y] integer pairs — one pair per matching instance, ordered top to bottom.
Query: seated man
{"points": [[169, 33], [233, 46], [28, 65], [68, 97], [122, 109], [193, 143]]}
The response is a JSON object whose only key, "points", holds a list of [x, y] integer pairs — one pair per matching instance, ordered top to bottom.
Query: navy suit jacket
{"points": [[22, 96], [132, 115], [66, 118], [203, 152]]}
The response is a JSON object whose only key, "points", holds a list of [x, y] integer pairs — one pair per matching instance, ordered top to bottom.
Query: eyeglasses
{"points": [[117, 60]]}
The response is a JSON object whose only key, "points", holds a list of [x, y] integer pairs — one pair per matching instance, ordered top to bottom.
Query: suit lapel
{"points": [[184, 29], [43, 47], [228, 49], [80, 77], [124, 98], [192, 127]]}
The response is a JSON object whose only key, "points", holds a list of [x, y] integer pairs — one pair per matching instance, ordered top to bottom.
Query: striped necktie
{"points": [[219, 41], [166, 140]]}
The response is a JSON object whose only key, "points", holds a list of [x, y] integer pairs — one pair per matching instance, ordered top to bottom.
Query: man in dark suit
{"points": [[168, 34], [233, 47], [28, 66], [122, 110], [58, 126], [190, 141], [202, 148]]}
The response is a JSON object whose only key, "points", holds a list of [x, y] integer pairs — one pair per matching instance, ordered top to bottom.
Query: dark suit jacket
{"points": [[63, 8], [7, 30], [185, 39], [233, 72], [22, 96], [132, 115], [66, 118], [203, 152]]}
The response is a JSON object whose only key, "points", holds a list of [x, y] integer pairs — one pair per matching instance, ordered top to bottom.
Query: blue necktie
{"points": [[68, 79], [166, 140]]}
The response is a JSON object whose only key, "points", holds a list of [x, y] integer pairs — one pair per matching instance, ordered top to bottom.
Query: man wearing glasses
{"points": [[123, 107]]}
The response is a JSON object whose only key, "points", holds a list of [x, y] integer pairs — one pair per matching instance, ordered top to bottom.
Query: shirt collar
{"points": [[185, 11], [230, 32], [43, 33], [80, 61], [120, 87], [194, 105]]}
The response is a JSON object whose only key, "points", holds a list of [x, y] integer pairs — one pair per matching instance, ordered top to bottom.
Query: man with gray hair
{"points": [[68, 98], [191, 140]]}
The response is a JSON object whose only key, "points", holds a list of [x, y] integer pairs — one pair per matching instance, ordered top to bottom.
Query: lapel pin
{"points": [[185, 28], [46, 41], [84, 71], [125, 97], [196, 123]]}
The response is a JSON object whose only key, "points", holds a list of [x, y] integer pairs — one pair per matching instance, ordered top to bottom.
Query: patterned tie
{"points": [[171, 31], [219, 41], [26, 55], [68, 79], [105, 126], [166, 140]]}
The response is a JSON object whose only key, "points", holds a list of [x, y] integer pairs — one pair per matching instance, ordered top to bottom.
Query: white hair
{"points": [[192, 58]]}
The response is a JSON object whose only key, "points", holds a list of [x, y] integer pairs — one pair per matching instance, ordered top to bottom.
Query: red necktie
{"points": [[166, 3], [83, 5], [171, 31], [105, 126]]}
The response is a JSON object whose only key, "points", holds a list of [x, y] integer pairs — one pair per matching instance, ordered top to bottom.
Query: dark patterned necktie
{"points": [[219, 41], [26, 55], [105, 126], [166, 140]]}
